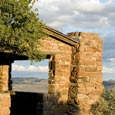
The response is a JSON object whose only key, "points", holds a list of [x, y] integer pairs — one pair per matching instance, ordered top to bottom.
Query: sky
{"points": [[97, 16]]}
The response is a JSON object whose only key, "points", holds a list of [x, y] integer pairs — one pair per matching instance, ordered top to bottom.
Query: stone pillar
{"points": [[89, 71], [59, 73], [5, 100]]}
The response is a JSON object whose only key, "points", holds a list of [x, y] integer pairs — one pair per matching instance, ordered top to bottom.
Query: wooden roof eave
{"points": [[60, 36]]}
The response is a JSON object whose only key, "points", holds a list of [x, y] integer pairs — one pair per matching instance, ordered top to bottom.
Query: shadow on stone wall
{"points": [[24, 103]]}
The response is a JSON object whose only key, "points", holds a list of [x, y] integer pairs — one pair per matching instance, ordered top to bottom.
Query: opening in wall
{"points": [[29, 77]]}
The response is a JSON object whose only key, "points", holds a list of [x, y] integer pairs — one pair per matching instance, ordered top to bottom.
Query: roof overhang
{"points": [[60, 36]]}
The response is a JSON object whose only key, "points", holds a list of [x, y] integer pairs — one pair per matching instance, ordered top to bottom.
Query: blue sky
{"points": [[96, 16]]}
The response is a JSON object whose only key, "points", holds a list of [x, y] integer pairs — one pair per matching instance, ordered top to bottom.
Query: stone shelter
{"points": [[75, 73]]}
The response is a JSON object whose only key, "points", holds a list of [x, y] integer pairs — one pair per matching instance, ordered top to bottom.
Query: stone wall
{"points": [[88, 70], [59, 74], [75, 75], [5, 100], [4, 103]]}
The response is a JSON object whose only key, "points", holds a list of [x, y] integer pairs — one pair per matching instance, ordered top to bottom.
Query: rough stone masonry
{"points": [[88, 73], [75, 74]]}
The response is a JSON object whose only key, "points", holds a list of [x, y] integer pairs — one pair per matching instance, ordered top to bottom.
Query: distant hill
{"points": [[109, 84], [30, 85], [41, 85]]}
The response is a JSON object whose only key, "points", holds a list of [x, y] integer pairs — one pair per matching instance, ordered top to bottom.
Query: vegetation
{"points": [[20, 28], [106, 105]]}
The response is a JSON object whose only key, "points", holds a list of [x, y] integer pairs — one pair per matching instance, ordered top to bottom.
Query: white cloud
{"points": [[89, 5], [77, 13], [104, 20], [111, 59], [16, 67], [30, 68], [37, 68], [108, 69]]}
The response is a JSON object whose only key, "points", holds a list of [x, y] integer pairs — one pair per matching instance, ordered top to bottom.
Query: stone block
{"points": [[91, 68], [53, 88]]}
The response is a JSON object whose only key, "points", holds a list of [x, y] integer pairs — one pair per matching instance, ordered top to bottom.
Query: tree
{"points": [[20, 28], [106, 104]]}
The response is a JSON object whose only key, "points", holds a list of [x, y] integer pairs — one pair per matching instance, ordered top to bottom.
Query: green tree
{"points": [[20, 28], [106, 104]]}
